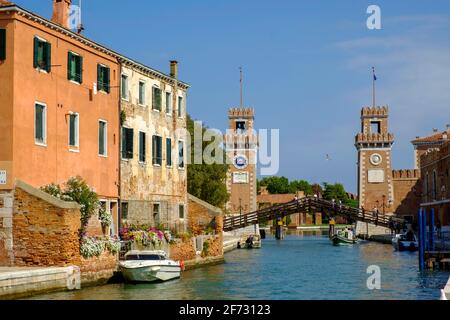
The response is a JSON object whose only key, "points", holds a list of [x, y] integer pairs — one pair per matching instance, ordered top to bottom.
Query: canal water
{"points": [[305, 265]]}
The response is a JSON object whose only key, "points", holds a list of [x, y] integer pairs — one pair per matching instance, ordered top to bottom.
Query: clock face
{"points": [[376, 159], [240, 162]]}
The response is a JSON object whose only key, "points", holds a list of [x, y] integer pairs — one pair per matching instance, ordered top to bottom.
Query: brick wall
{"points": [[407, 193], [44, 234], [6, 240], [183, 250], [98, 269]]}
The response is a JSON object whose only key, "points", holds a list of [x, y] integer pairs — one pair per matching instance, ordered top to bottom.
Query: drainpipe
{"points": [[119, 202]]}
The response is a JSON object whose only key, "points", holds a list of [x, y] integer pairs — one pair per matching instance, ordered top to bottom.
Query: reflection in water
{"points": [[303, 266]]}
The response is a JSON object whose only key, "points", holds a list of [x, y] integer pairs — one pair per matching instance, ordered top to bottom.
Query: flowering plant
{"points": [[104, 216], [143, 235], [94, 247]]}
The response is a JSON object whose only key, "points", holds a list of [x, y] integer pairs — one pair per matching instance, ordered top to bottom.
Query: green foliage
{"points": [[123, 117], [206, 181], [276, 185], [281, 185], [301, 185], [76, 189], [53, 190], [337, 192], [105, 217], [205, 248]]}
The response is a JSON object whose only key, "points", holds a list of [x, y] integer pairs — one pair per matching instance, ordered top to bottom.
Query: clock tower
{"points": [[374, 145], [241, 150]]}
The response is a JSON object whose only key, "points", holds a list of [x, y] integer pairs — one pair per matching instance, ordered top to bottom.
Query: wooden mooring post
{"points": [[279, 229]]}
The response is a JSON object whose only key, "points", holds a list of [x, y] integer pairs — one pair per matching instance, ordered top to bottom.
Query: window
{"points": [[2, 44], [42, 54], [75, 67], [103, 78], [124, 87], [141, 93], [156, 103], [168, 103], [180, 106], [40, 121], [240, 126], [375, 127], [74, 130], [102, 138], [127, 143], [142, 146], [157, 150], [169, 152], [180, 154], [181, 211], [124, 212], [156, 213]]}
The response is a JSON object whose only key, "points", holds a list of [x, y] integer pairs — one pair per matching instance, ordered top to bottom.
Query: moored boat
{"points": [[341, 240], [405, 242], [149, 266]]}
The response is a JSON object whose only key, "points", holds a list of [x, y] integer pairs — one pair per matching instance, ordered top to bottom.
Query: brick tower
{"points": [[374, 145], [241, 149]]}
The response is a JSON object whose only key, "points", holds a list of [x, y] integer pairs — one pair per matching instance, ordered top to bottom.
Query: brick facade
{"points": [[435, 182], [202, 216], [44, 234]]}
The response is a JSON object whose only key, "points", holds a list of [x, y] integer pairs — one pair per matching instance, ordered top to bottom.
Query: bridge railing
{"points": [[306, 204]]}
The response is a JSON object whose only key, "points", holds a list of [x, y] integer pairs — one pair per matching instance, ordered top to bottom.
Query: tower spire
{"points": [[374, 78], [241, 87]]}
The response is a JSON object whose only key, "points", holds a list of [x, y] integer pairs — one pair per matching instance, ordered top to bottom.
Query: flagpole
{"points": [[241, 84], [373, 87]]}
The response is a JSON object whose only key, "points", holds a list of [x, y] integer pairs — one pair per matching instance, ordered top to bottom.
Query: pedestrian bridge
{"points": [[302, 205]]}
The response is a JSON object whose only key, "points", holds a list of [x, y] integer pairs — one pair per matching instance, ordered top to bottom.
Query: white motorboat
{"points": [[405, 242], [149, 266]]}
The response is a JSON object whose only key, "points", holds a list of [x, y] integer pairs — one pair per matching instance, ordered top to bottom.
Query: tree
{"points": [[206, 181], [276, 185], [301, 185], [337, 192]]}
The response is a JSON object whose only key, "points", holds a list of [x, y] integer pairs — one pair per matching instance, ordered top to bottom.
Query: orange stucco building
{"points": [[59, 104]]}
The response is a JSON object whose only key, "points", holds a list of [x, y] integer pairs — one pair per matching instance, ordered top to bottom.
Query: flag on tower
{"points": [[374, 76]]}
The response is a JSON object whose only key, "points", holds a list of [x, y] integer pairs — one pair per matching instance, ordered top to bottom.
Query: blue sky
{"points": [[307, 67]]}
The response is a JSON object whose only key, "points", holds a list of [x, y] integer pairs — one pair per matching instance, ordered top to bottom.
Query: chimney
{"points": [[61, 9], [174, 69]]}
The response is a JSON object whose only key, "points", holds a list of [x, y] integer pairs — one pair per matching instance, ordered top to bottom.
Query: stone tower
{"points": [[374, 145], [241, 150]]}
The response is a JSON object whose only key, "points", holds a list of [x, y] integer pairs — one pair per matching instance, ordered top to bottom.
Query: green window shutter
{"points": [[2, 44], [36, 53], [48, 56], [69, 66], [80, 69], [99, 78], [107, 80], [154, 98], [159, 99], [39, 123], [72, 124], [101, 138], [124, 143], [130, 143], [142, 146], [154, 149], [169, 151], [159, 154]]}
